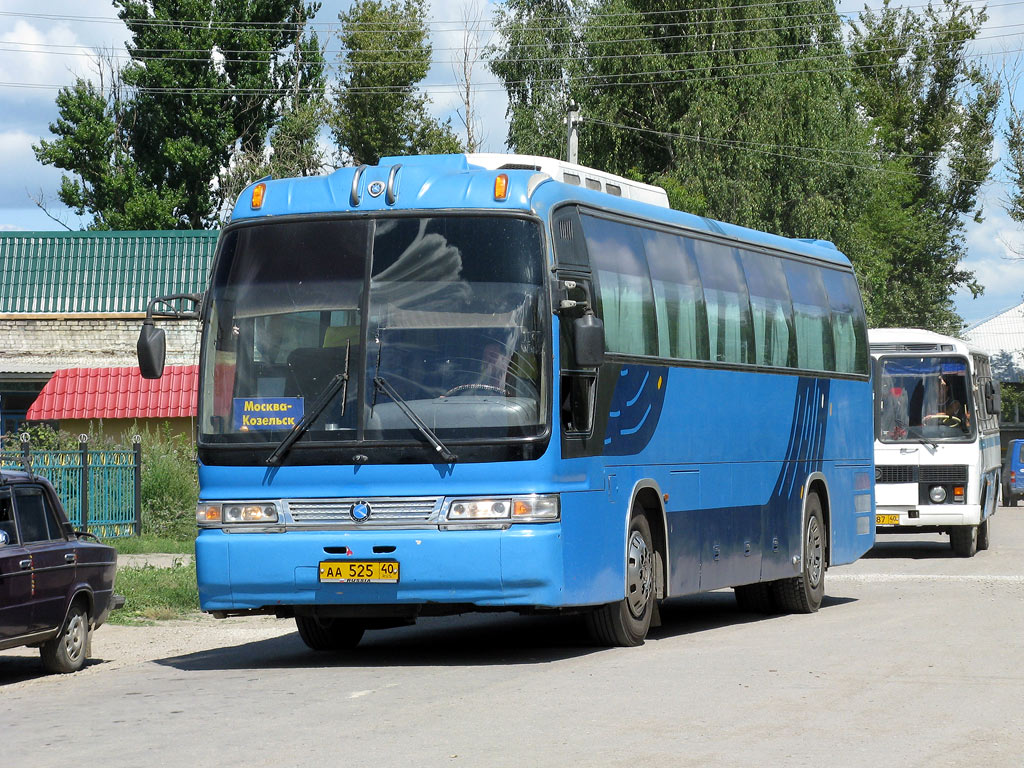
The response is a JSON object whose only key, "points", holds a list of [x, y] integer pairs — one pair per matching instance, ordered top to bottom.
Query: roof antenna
{"points": [[26, 454]]}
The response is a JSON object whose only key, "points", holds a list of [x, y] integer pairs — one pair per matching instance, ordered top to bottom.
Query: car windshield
{"points": [[449, 315], [924, 399]]}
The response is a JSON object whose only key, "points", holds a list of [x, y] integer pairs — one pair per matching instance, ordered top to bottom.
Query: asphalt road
{"points": [[915, 659]]}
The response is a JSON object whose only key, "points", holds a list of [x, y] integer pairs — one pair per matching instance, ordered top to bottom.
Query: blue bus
{"points": [[494, 382]]}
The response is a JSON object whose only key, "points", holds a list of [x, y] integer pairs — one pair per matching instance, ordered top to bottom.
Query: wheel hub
{"points": [[639, 575]]}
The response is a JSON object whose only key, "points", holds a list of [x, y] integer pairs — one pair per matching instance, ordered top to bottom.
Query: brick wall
{"points": [[50, 343]]}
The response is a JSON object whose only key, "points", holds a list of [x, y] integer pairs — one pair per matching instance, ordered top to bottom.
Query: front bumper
{"points": [[934, 515], [515, 568]]}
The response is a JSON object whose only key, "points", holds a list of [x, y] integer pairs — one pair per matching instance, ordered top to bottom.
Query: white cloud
{"points": [[23, 178]]}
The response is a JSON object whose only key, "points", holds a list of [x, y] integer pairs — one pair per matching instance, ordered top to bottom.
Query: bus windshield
{"points": [[440, 316], [924, 399]]}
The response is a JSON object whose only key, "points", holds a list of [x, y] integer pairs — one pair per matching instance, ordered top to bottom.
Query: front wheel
{"points": [[983, 536], [964, 540], [803, 593], [626, 622], [329, 634], [68, 650]]}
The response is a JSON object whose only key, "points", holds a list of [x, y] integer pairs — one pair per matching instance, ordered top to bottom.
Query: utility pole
{"points": [[572, 119]]}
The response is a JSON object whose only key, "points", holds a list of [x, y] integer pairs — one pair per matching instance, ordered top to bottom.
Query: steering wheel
{"points": [[466, 387], [944, 418]]}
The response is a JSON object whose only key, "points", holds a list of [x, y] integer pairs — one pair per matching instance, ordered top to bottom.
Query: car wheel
{"points": [[983, 538], [964, 540], [803, 593], [625, 623], [329, 634], [68, 650]]}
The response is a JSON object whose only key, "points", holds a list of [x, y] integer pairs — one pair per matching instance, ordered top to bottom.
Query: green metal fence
{"points": [[100, 490]]}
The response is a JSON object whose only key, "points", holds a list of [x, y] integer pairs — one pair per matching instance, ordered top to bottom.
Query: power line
{"points": [[286, 26], [17, 47], [498, 86], [769, 149]]}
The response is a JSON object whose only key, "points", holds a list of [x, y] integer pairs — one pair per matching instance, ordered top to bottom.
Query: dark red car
{"points": [[56, 584]]}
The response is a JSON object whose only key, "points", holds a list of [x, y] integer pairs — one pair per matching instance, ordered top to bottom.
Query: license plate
{"points": [[887, 519], [364, 571]]}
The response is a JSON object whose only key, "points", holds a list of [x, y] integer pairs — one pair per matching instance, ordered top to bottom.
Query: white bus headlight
{"points": [[937, 494], [479, 509], [518, 509]]}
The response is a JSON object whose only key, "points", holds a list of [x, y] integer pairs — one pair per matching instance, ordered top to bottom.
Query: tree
{"points": [[540, 39], [207, 81], [377, 108], [931, 112], [1014, 135], [91, 141]]}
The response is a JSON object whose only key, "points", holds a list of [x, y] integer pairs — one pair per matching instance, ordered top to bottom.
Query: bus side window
{"points": [[678, 297], [624, 300], [771, 310], [812, 317], [849, 328], [730, 331]]}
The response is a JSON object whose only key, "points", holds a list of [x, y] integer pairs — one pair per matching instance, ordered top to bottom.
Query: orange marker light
{"points": [[501, 187], [257, 195]]}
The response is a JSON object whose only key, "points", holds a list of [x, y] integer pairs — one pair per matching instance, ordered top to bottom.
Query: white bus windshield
{"points": [[453, 321], [924, 399]]}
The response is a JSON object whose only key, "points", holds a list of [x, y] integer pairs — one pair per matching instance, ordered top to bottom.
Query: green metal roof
{"points": [[103, 272]]}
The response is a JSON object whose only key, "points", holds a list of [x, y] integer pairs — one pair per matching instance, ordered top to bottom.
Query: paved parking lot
{"points": [[914, 660]]}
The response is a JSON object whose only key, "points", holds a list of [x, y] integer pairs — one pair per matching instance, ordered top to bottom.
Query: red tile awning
{"points": [[117, 393]]}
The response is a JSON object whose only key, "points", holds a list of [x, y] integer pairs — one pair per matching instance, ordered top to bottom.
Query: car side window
{"points": [[35, 517], [8, 530]]}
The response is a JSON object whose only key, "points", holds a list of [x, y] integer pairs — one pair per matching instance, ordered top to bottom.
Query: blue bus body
{"points": [[721, 457]]}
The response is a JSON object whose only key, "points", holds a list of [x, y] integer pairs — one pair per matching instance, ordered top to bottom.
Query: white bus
{"points": [[936, 437]]}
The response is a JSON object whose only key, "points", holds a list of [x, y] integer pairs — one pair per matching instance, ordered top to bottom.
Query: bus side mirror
{"points": [[588, 340], [152, 350], [993, 398]]}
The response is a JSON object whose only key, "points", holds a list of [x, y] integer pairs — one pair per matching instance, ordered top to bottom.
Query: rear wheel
{"points": [[983, 536], [964, 540], [803, 593], [625, 623], [329, 634], [68, 651]]}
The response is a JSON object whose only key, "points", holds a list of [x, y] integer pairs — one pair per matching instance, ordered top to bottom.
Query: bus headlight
{"points": [[937, 494], [517, 509], [215, 513]]}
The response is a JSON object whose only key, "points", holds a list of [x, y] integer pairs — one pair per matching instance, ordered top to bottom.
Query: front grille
{"points": [[897, 473], [951, 473], [390, 511]]}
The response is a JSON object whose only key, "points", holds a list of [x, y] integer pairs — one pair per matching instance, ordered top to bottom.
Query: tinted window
{"points": [[624, 297], [678, 297], [771, 310], [811, 317], [849, 327], [730, 336], [35, 516], [7, 520]]}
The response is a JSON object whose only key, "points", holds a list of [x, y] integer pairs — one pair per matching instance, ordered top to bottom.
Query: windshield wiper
{"points": [[338, 383], [382, 386]]}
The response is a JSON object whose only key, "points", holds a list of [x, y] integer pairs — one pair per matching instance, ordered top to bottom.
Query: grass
{"points": [[150, 544], [153, 594]]}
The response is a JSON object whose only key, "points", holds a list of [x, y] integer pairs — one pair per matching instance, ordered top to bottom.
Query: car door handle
{"points": [[70, 558], [25, 564]]}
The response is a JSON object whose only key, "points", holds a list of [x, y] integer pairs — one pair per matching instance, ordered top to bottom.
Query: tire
{"points": [[983, 537], [964, 540], [803, 593], [756, 598], [625, 623], [329, 634], [68, 651]]}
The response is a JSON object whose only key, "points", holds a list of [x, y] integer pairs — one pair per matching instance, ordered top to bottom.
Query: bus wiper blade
{"points": [[339, 382], [381, 385]]}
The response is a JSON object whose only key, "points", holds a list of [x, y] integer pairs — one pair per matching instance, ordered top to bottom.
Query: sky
{"points": [[41, 43]]}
